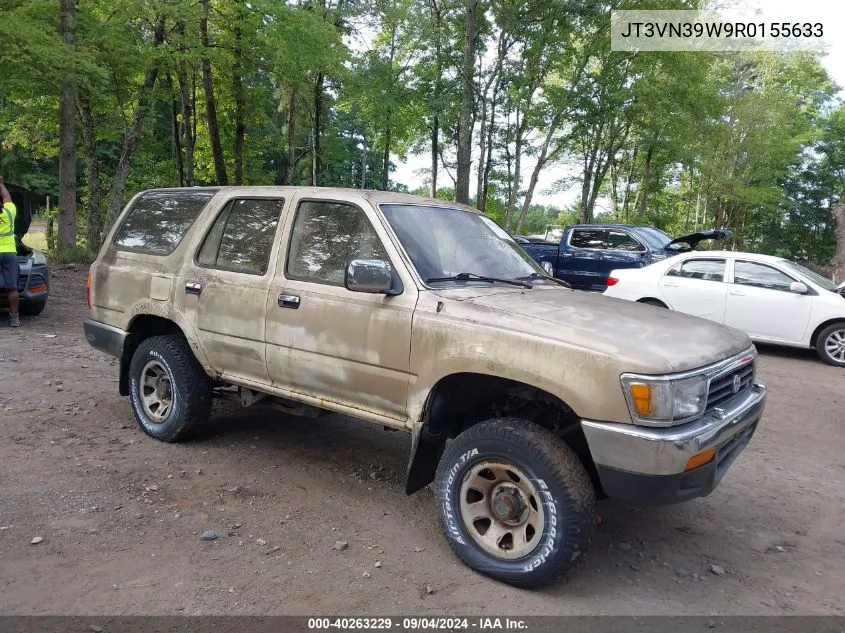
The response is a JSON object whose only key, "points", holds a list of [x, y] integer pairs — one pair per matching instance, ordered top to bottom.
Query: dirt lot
{"points": [[121, 515]]}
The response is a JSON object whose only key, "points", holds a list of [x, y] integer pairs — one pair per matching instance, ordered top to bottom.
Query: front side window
{"points": [[159, 220], [242, 236], [327, 236], [587, 238], [621, 241], [704, 269], [760, 276]]}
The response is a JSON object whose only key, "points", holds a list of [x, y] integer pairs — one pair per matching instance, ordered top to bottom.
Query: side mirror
{"points": [[368, 275], [798, 288]]}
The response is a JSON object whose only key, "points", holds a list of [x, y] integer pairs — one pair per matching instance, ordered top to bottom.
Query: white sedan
{"points": [[773, 299]]}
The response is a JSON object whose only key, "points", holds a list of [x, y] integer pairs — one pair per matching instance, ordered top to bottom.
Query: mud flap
{"points": [[426, 451]]}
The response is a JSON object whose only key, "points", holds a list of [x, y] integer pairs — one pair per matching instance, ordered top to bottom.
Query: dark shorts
{"points": [[9, 271]]}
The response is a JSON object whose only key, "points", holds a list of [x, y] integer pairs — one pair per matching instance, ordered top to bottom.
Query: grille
{"points": [[722, 387]]}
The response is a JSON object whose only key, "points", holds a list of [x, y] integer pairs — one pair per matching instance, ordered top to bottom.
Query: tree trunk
{"points": [[240, 99], [210, 103], [465, 122], [187, 126], [175, 133], [133, 135], [67, 137], [435, 151], [291, 161], [385, 161], [316, 162], [517, 172], [535, 175], [628, 178], [643, 193], [93, 206], [838, 212]]}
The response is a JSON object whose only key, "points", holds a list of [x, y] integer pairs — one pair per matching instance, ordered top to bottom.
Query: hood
{"points": [[694, 238], [642, 338]]}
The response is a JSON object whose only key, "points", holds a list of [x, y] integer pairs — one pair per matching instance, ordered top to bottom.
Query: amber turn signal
{"points": [[641, 395], [700, 459]]}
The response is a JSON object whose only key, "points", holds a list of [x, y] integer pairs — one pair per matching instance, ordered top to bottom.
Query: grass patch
{"points": [[75, 255]]}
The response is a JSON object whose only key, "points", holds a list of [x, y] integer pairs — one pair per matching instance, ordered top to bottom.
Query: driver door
{"points": [[759, 302], [327, 342]]}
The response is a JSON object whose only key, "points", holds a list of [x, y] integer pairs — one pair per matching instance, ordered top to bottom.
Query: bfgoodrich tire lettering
{"points": [[186, 389], [562, 487]]}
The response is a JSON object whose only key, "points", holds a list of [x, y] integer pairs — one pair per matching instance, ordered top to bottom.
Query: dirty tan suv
{"points": [[525, 400]]}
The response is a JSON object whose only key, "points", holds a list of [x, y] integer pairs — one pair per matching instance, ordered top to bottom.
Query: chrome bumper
{"points": [[666, 451]]}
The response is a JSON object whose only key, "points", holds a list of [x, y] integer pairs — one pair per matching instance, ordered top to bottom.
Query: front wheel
{"points": [[830, 345], [515, 502]]}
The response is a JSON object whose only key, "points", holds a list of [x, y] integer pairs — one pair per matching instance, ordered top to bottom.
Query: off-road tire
{"points": [[821, 340], [190, 387], [567, 495]]}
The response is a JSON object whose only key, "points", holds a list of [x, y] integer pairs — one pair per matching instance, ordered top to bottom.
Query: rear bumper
{"points": [[104, 337], [648, 465]]}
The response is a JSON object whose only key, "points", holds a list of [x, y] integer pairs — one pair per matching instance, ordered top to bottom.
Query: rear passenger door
{"points": [[581, 261], [225, 286], [697, 286]]}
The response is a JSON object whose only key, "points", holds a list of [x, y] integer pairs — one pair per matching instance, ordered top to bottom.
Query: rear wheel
{"points": [[830, 344], [169, 390], [515, 502]]}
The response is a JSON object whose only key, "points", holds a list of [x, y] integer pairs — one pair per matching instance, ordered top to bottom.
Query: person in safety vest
{"points": [[9, 254]]}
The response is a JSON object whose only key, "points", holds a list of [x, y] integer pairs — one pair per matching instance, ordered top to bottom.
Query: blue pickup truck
{"points": [[588, 252]]}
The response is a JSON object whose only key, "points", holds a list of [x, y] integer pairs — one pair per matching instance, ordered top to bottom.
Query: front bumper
{"points": [[104, 337], [646, 465]]}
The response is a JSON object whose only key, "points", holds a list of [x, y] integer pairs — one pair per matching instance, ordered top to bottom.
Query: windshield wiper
{"points": [[473, 277], [559, 282]]}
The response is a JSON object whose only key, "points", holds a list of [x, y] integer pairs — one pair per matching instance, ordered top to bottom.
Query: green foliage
{"points": [[677, 140]]}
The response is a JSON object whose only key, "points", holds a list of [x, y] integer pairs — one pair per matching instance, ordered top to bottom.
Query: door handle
{"points": [[668, 285], [193, 288], [737, 293], [288, 301]]}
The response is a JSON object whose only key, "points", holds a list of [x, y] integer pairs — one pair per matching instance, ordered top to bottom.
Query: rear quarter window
{"points": [[159, 220]]}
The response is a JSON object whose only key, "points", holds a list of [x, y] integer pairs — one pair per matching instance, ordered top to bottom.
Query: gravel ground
{"points": [[121, 516]]}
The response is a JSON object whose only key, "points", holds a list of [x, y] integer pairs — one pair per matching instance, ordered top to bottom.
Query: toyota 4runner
{"points": [[525, 400]]}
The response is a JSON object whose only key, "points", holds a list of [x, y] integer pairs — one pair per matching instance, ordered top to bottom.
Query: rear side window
{"points": [[159, 220], [242, 236], [587, 238], [705, 269]]}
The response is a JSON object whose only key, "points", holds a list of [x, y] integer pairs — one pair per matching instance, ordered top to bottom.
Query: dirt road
{"points": [[121, 515]]}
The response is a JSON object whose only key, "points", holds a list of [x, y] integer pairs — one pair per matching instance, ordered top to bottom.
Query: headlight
{"points": [[38, 258], [663, 401]]}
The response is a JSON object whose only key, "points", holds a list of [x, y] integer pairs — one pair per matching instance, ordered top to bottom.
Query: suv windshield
{"points": [[443, 242], [816, 278]]}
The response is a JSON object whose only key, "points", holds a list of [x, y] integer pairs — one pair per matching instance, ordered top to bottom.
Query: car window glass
{"points": [[159, 220], [242, 236], [327, 236], [587, 238], [620, 241], [705, 269], [760, 275]]}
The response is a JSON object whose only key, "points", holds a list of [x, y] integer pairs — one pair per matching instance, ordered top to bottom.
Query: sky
{"points": [[828, 12]]}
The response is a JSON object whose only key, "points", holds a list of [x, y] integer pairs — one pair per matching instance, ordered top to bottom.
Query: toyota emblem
{"points": [[737, 383]]}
